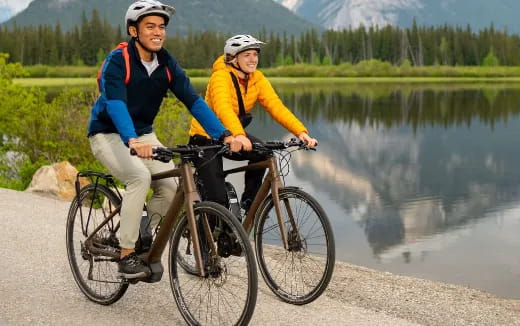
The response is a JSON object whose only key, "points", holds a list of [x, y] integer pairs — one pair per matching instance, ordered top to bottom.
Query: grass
{"points": [[363, 69], [202, 81], [53, 82]]}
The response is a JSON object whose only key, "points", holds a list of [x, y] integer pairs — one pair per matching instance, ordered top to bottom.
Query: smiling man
{"points": [[133, 81]]}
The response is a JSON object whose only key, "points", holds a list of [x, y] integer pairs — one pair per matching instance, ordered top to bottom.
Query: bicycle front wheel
{"points": [[301, 273], [95, 274], [227, 293]]}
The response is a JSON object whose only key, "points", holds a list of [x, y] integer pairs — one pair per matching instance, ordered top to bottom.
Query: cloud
{"points": [[15, 5]]}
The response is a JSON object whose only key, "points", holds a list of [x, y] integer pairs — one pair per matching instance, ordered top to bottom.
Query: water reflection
{"points": [[418, 171]]}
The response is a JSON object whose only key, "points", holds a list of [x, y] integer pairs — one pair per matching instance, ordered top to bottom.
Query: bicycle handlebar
{"points": [[279, 145], [166, 154]]}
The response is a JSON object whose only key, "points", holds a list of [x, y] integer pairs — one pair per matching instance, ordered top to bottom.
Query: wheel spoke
{"points": [[87, 212], [227, 295]]}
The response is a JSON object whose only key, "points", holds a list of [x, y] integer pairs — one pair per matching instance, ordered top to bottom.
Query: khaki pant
{"points": [[135, 173]]}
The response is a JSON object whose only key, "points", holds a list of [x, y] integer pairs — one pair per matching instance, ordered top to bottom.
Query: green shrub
{"points": [[490, 60], [326, 61], [172, 123], [40, 132]]}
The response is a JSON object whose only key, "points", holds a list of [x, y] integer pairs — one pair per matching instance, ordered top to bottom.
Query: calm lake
{"points": [[417, 179]]}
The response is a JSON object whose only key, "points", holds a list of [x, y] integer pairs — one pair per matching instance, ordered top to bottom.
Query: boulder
{"points": [[56, 181]]}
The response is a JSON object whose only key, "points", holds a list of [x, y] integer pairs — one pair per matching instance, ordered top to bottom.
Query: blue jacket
{"points": [[130, 109]]}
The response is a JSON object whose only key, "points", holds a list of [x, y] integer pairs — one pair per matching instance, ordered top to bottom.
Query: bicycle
{"points": [[294, 243], [229, 282]]}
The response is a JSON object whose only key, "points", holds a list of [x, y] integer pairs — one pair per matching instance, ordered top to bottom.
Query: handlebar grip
{"points": [[134, 153]]}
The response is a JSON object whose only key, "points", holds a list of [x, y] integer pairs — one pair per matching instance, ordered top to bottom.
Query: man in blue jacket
{"points": [[133, 81]]}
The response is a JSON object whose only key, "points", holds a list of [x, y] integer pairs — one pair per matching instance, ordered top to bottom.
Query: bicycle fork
{"points": [[276, 184]]}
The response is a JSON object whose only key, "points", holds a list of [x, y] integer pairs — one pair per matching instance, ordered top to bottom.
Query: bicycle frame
{"points": [[272, 182], [186, 195]]}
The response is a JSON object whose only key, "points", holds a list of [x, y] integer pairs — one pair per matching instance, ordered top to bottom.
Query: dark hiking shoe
{"points": [[245, 204], [228, 245], [132, 266]]}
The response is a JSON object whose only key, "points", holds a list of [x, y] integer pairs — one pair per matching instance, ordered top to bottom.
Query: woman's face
{"points": [[152, 32], [248, 60]]}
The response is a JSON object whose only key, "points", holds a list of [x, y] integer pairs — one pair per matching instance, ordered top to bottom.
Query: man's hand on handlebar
{"points": [[311, 142], [143, 150]]}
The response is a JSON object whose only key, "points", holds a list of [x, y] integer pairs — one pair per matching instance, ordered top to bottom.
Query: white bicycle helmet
{"points": [[142, 8], [241, 43]]}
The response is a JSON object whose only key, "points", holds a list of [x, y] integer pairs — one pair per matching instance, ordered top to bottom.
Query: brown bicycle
{"points": [[294, 243], [222, 286]]}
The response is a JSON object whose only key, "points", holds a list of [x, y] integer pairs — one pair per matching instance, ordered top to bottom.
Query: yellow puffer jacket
{"points": [[221, 96]]}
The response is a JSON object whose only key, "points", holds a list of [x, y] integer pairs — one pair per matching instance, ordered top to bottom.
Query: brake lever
{"points": [[305, 146], [161, 155], [162, 158]]}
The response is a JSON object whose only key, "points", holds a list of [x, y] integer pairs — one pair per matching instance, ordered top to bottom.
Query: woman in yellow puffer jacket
{"points": [[238, 67]]}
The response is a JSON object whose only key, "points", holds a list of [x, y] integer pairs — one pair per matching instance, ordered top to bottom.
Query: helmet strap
{"points": [[139, 41], [246, 78]]}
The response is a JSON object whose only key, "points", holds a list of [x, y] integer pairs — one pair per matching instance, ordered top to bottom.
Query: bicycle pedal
{"points": [[134, 278]]}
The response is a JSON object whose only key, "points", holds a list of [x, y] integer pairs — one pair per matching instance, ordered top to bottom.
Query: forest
{"points": [[89, 41]]}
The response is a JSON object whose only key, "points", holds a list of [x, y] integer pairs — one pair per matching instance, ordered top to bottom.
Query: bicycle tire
{"points": [[294, 274], [95, 275], [230, 286]]}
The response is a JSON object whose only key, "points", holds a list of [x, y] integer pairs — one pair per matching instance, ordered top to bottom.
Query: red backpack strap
{"points": [[126, 58], [99, 74], [169, 74]]}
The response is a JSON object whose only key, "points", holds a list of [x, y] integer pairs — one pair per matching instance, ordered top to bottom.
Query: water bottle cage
{"points": [[233, 203]]}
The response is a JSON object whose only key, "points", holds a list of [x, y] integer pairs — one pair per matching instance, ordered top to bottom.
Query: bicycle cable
{"points": [[217, 153], [284, 159]]}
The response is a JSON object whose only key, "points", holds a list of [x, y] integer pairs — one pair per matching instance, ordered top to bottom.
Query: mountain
{"points": [[339, 14], [225, 16]]}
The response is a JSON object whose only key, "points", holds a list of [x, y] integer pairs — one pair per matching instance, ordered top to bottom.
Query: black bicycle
{"points": [[294, 242]]}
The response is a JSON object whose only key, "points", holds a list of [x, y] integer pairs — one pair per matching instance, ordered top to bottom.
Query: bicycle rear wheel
{"points": [[301, 273], [95, 274], [227, 294]]}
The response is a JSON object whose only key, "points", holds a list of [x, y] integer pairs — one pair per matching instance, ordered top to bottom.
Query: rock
{"points": [[56, 181]]}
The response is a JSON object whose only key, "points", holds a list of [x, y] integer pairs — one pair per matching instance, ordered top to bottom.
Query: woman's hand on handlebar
{"points": [[311, 142], [238, 143], [245, 143], [234, 145], [143, 150]]}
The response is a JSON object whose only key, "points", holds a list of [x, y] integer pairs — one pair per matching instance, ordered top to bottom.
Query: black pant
{"points": [[212, 177]]}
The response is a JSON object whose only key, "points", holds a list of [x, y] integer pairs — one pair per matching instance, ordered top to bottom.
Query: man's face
{"points": [[151, 32]]}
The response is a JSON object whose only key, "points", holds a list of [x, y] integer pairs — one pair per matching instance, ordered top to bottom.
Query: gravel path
{"points": [[37, 287]]}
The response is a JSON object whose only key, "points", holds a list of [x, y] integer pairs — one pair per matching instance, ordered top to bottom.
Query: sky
{"points": [[16, 5]]}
